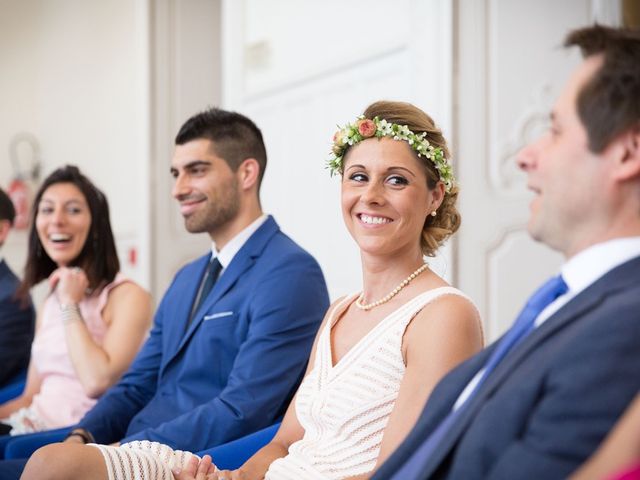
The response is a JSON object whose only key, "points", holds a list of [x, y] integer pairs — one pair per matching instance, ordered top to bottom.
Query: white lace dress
{"points": [[344, 409], [142, 460]]}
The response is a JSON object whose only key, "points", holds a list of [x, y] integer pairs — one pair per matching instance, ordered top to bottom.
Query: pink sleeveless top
{"points": [[62, 400]]}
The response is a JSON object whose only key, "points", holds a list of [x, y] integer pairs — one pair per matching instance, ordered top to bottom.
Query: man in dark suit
{"points": [[17, 318], [232, 335], [536, 403]]}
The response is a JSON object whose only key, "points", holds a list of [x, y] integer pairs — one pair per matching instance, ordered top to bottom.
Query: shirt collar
{"points": [[235, 244], [589, 265]]}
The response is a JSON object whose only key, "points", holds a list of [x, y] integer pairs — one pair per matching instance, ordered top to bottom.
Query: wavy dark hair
{"points": [[98, 257]]}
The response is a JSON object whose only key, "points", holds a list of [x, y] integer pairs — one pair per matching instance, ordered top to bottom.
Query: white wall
{"points": [[317, 64], [75, 74]]}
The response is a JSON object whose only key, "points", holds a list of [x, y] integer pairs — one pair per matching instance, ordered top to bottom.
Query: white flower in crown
{"points": [[363, 128]]}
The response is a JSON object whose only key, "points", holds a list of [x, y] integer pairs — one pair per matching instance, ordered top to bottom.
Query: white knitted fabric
{"points": [[345, 408], [142, 460]]}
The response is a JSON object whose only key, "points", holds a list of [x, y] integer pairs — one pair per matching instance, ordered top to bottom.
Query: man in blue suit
{"points": [[17, 319], [232, 335], [217, 368], [536, 403]]}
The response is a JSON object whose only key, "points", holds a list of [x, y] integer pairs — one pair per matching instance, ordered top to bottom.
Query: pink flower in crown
{"points": [[366, 128]]}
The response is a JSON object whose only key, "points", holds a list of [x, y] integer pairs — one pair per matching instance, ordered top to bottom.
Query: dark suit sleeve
{"points": [[286, 310], [16, 336], [585, 393], [109, 419]]}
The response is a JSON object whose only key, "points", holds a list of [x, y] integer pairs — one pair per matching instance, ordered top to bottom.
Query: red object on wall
{"points": [[18, 191], [133, 256]]}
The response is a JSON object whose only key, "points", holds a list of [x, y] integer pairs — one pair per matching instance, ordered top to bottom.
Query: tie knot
{"points": [[214, 267], [548, 292]]}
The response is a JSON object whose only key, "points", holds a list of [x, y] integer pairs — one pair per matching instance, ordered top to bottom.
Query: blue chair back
{"points": [[13, 388], [22, 446], [232, 455]]}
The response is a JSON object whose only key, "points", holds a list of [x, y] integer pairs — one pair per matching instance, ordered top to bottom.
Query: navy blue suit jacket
{"points": [[17, 323], [239, 363], [550, 402]]}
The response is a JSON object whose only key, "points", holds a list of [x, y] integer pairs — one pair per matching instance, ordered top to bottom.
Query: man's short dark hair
{"points": [[609, 104], [235, 137], [7, 210]]}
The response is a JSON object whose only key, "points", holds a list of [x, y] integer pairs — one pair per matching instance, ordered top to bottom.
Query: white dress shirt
{"points": [[235, 244]]}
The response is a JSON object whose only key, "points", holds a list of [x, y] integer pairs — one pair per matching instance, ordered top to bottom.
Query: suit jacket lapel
{"points": [[242, 261], [4, 269], [587, 300], [175, 326]]}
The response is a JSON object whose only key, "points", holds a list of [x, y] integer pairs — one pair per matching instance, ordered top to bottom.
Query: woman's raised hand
{"points": [[70, 283]]}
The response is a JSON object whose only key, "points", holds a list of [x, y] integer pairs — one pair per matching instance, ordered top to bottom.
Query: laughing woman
{"points": [[93, 321], [378, 353]]}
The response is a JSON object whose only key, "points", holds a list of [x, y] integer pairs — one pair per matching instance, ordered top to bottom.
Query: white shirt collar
{"points": [[235, 244], [589, 265]]}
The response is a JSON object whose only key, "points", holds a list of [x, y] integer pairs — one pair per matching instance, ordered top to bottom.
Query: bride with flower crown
{"points": [[379, 352]]}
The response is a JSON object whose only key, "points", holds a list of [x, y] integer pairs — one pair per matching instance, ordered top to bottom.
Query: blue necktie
{"points": [[211, 275], [523, 325]]}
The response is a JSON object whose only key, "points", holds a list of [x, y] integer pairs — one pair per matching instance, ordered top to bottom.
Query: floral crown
{"points": [[363, 128]]}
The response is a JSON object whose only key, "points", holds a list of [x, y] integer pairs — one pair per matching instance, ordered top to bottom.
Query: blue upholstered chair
{"points": [[13, 388], [22, 446], [232, 455], [227, 457]]}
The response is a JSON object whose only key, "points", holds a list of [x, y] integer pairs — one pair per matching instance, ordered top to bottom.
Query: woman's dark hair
{"points": [[98, 257]]}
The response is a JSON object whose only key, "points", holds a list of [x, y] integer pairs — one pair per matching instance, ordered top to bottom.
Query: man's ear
{"points": [[628, 163], [248, 173], [5, 226]]}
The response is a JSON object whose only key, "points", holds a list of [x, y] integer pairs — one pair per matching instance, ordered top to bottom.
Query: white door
{"points": [[510, 66], [298, 68], [185, 75]]}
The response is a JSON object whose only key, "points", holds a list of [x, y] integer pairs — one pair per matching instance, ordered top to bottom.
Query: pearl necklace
{"points": [[391, 294]]}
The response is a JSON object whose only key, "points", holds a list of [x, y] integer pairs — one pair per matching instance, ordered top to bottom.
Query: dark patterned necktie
{"points": [[209, 280]]}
